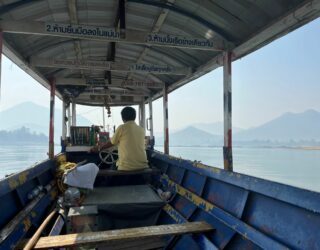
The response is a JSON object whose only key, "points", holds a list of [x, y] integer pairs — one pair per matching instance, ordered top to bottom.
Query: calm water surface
{"points": [[14, 158], [290, 166], [296, 167]]}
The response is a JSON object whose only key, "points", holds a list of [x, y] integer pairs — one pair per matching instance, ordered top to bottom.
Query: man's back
{"points": [[129, 138]]}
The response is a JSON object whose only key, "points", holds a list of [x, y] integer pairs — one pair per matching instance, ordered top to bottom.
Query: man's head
{"points": [[128, 114]]}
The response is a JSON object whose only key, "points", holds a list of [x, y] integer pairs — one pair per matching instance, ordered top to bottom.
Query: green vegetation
{"points": [[22, 135]]}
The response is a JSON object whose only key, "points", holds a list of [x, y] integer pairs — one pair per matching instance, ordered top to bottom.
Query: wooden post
{"points": [[122, 18], [1, 39], [139, 107], [227, 110], [74, 114], [143, 115], [103, 119], [165, 119], [69, 120], [151, 121], [51, 125], [64, 125]]}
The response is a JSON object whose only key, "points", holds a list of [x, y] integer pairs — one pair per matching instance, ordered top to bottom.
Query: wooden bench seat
{"points": [[147, 171], [116, 238]]}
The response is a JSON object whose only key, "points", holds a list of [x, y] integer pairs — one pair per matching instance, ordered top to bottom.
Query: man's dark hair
{"points": [[128, 114]]}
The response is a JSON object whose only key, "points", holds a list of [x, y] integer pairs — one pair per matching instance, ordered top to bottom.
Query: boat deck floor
{"points": [[136, 194]]}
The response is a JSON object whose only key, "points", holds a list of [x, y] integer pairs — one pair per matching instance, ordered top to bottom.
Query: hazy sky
{"points": [[284, 76]]}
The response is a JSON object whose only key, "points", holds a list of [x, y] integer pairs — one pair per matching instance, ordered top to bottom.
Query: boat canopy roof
{"points": [[121, 52]]}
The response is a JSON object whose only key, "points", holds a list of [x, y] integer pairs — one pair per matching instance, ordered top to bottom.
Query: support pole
{"points": [[122, 18], [1, 39], [227, 111], [74, 114], [140, 115], [143, 115], [104, 119], [69, 120], [165, 120], [151, 122], [51, 125], [64, 125], [64, 128], [35, 237]]}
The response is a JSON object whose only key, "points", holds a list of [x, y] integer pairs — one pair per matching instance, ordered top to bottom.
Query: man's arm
{"points": [[114, 141], [107, 145], [98, 148]]}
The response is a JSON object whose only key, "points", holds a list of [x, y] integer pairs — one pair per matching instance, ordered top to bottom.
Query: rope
{"points": [[62, 169]]}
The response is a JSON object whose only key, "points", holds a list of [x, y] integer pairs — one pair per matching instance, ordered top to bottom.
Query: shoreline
{"points": [[260, 147], [304, 147]]}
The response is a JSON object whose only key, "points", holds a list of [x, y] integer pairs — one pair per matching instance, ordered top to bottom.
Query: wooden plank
{"points": [[106, 34], [108, 65], [103, 82], [93, 92], [110, 172], [94, 238]]}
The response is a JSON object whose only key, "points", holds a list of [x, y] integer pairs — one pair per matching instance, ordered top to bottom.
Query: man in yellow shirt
{"points": [[129, 137]]}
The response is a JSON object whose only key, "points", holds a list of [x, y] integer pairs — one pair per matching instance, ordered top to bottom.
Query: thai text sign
{"points": [[139, 37]]}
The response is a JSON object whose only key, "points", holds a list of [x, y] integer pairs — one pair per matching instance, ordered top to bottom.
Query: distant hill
{"points": [[34, 117], [287, 127], [215, 128], [22, 135], [192, 136]]}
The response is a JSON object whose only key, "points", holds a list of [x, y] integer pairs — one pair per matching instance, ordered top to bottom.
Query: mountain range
{"points": [[36, 118], [287, 129]]}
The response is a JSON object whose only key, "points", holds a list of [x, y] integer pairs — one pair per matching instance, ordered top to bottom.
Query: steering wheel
{"points": [[109, 155]]}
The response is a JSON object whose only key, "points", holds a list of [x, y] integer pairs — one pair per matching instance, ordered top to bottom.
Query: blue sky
{"points": [[284, 76]]}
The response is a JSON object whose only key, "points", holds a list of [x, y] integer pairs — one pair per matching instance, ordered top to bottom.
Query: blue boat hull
{"points": [[245, 212]]}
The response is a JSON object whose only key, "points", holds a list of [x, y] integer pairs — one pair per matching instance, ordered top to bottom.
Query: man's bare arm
{"points": [[107, 145], [99, 148]]}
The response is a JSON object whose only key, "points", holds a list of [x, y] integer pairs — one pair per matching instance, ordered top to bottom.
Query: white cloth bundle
{"points": [[82, 176]]}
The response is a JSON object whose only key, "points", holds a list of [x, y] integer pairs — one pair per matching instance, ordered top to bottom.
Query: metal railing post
{"points": [[227, 111], [74, 114], [151, 119], [165, 119], [51, 124], [64, 124]]}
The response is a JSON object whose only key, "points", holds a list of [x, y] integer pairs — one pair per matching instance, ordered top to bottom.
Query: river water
{"points": [[296, 167]]}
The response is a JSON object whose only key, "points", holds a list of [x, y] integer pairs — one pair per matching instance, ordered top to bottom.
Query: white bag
{"points": [[82, 176]]}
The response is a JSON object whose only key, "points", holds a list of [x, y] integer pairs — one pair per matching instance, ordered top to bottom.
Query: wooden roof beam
{"points": [[72, 10], [303, 14], [157, 26], [105, 34], [112, 45], [15, 57], [110, 66], [101, 82], [113, 92], [101, 101]]}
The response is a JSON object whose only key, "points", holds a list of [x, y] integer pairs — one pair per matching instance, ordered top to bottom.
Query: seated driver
{"points": [[129, 137]]}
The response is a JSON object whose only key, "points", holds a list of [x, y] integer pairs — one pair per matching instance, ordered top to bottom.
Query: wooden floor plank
{"points": [[95, 238]]}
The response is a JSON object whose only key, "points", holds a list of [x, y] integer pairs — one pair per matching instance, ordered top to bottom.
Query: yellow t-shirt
{"points": [[129, 137]]}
